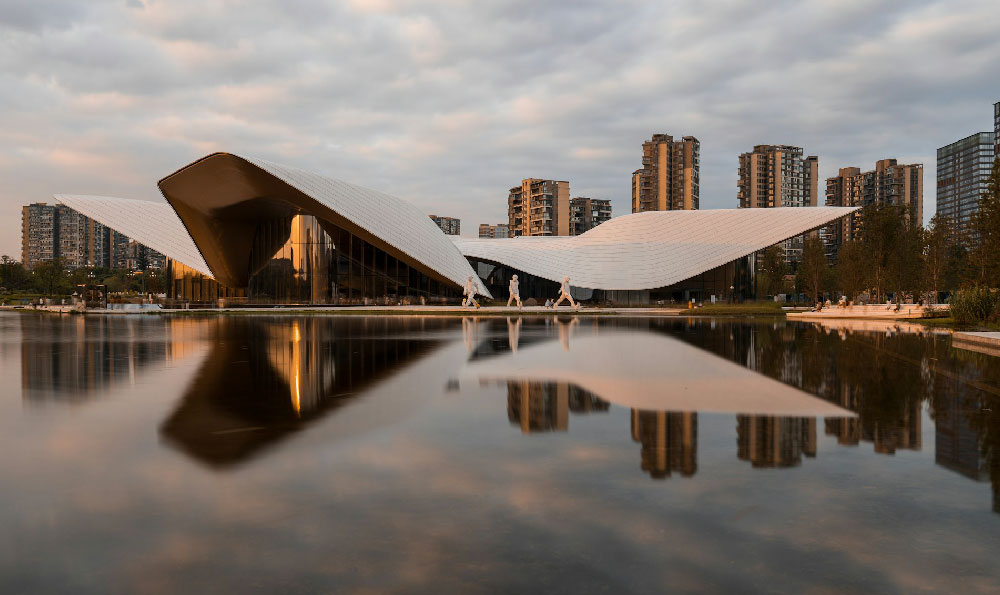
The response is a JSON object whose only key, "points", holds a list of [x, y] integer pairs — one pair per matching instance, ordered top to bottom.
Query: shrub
{"points": [[976, 305]]}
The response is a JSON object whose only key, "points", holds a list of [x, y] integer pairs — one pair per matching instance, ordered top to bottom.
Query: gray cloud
{"points": [[450, 103]]}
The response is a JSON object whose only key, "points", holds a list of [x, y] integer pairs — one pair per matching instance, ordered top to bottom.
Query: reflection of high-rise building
{"points": [[669, 177], [545, 406], [898, 428], [768, 441], [669, 442], [956, 442]]}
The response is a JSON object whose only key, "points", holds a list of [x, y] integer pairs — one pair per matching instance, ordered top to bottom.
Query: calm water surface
{"points": [[321, 453]]}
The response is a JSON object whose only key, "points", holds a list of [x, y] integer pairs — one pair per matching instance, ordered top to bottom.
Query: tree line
{"points": [[894, 254], [53, 278]]}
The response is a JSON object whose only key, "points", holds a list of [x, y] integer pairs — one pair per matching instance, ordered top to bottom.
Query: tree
{"points": [[881, 228], [939, 248], [985, 252], [814, 269], [772, 271], [852, 271], [905, 272], [13, 275], [49, 276]]}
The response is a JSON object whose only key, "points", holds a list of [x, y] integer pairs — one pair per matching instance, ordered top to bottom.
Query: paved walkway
{"points": [[869, 312], [985, 342]]}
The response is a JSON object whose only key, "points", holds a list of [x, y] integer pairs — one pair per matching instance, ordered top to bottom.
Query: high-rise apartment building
{"points": [[996, 128], [963, 168], [779, 176], [669, 179], [888, 184], [539, 208], [587, 213], [449, 225], [57, 231], [494, 231], [669, 442]]}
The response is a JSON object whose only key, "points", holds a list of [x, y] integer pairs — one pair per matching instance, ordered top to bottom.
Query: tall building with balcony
{"points": [[963, 168], [779, 176], [669, 178], [888, 184], [539, 208], [587, 213], [449, 225], [57, 231], [669, 442]]}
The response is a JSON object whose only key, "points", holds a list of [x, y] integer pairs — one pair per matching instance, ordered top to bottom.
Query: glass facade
{"points": [[962, 170], [302, 259], [733, 281]]}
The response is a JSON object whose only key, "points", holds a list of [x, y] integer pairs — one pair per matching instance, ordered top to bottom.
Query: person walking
{"points": [[470, 291], [515, 293], [564, 294]]}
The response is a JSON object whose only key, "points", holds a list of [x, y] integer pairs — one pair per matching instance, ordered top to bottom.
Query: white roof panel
{"points": [[153, 223], [653, 249]]}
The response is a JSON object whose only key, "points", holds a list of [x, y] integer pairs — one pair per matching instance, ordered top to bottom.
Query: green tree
{"points": [[881, 228], [939, 251], [985, 252], [773, 269], [814, 269], [852, 270], [905, 273], [13, 275], [49, 276]]}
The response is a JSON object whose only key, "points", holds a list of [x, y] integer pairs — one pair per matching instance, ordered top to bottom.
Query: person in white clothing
{"points": [[470, 292], [515, 292], [565, 295]]}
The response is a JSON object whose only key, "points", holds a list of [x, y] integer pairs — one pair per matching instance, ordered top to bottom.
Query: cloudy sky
{"points": [[450, 103]]}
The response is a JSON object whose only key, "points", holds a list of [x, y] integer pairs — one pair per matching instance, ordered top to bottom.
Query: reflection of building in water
{"points": [[80, 357], [265, 379], [545, 406], [889, 429], [669, 441], [768, 441], [956, 442]]}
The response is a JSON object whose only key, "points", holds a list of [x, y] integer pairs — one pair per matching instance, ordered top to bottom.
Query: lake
{"points": [[322, 453]]}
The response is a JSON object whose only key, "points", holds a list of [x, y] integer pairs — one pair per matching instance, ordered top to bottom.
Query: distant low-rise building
{"points": [[963, 168], [888, 184], [539, 208], [587, 213], [449, 225], [494, 231]]}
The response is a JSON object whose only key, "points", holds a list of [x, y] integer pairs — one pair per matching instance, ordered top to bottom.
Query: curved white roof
{"points": [[223, 181], [153, 223], [652, 249]]}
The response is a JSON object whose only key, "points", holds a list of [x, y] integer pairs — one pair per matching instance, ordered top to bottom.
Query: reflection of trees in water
{"points": [[81, 357], [884, 377], [266, 378]]}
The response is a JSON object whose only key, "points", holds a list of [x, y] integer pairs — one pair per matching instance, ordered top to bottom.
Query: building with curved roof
{"points": [[244, 229]]}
